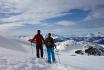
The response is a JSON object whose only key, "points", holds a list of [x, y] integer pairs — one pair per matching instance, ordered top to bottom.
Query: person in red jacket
{"points": [[38, 40]]}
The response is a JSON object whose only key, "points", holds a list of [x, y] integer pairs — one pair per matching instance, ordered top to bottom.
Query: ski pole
{"points": [[32, 49], [46, 53], [58, 56]]}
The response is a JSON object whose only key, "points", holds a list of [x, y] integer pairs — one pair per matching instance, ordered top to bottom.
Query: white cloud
{"points": [[44, 9], [16, 12], [95, 14], [66, 23], [10, 26], [6, 29]]}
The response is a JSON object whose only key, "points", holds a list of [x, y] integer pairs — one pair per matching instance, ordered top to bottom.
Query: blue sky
{"points": [[72, 15], [65, 17]]}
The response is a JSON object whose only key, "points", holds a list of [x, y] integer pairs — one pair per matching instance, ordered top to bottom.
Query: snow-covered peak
{"points": [[98, 34], [90, 35], [66, 44]]}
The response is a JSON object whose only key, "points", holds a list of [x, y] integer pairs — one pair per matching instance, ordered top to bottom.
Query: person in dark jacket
{"points": [[38, 40], [49, 42]]}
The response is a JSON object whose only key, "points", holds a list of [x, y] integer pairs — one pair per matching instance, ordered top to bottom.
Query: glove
{"points": [[30, 40], [54, 46]]}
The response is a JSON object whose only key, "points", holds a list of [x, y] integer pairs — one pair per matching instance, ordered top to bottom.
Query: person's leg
{"points": [[41, 50], [37, 51], [53, 54], [49, 55]]}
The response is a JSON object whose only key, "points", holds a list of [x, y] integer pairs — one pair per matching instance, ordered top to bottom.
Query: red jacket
{"points": [[38, 39]]}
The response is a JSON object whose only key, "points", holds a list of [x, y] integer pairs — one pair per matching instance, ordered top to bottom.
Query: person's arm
{"points": [[33, 39], [43, 39], [53, 43]]}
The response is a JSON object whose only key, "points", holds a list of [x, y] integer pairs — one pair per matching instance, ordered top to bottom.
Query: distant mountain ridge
{"points": [[94, 38]]}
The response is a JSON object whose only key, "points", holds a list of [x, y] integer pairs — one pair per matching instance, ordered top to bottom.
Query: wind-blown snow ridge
{"points": [[12, 44]]}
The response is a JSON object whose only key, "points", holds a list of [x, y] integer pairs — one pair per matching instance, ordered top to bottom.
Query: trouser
{"points": [[39, 50], [51, 54]]}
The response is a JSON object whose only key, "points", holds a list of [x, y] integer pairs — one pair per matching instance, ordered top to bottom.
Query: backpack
{"points": [[49, 42]]}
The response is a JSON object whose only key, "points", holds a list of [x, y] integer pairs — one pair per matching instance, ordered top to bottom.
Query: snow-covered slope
{"points": [[13, 44], [17, 55]]}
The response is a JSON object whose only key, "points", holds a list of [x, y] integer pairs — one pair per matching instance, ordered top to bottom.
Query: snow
{"points": [[98, 34], [65, 44], [69, 46], [17, 54], [83, 62]]}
